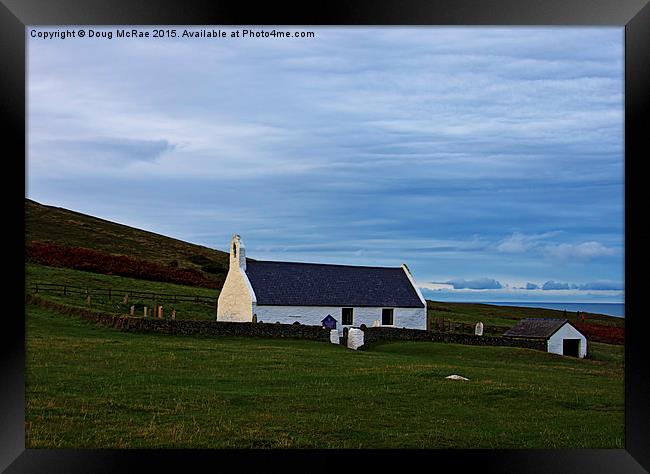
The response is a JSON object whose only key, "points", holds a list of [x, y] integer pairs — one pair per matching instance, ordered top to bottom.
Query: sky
{"points": [[489, 160]]}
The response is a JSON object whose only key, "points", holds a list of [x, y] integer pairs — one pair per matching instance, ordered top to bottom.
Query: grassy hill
{"points": [[73, 229]]}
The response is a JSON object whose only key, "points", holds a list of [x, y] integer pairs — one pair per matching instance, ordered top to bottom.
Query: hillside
{"points": [[72, 229]]}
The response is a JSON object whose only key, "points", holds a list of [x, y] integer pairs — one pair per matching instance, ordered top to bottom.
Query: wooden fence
{"points": [[39, 287]]}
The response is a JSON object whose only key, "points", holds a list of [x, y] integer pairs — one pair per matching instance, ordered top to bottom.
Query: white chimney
{"points": [[237, 252]]}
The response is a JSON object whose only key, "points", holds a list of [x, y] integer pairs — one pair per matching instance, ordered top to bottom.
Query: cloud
{"points": [[123, 149], [455, 151], [108, 152], [519, 242], [583, 251], [477, 284], [552, 285], [435, 286], [602, 286]]}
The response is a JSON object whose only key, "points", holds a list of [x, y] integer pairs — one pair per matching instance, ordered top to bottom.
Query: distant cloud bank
{"points": [[478, 284], [550, 285]]}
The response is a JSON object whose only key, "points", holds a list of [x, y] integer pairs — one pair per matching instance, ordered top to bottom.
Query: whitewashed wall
{"points": [[237, 298], [413, 318], [555, 344]]}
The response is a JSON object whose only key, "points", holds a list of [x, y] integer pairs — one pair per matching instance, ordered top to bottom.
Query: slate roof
{"points": [[316, 284], [535, 328]]}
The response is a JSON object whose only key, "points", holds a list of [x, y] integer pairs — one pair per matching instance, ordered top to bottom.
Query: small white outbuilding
{"points": [[560, 335]]}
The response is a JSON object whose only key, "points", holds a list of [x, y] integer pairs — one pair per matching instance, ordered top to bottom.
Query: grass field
{"points": [[64, 276], [92, 387]]}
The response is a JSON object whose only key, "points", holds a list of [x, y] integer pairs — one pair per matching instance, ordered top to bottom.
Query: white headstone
{"points": [[376, 323], [479, 329], [334, 336], [355, 338]]}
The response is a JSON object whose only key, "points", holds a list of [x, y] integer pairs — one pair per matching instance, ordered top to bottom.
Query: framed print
{"points": [[343, 233]]}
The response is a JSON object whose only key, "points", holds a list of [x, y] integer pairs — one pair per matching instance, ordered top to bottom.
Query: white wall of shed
{"points": [[556, 346]]}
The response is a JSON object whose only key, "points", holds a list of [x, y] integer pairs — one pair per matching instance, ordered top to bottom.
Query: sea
{"points": [[610, 309]]}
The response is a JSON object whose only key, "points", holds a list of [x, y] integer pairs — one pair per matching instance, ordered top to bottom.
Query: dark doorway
{"points": [[346, 316], [387, 317], [571, 347]]}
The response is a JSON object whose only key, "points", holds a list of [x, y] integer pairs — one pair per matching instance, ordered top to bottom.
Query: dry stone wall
{"points": [[188, 327], [274, 330], [376, 334]]}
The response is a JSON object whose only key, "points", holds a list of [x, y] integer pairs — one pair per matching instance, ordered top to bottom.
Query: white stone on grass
{"points": [[334, 337], [456, 377]]}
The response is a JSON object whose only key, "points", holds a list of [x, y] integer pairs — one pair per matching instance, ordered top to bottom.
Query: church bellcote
{"points": [[237, 252]]}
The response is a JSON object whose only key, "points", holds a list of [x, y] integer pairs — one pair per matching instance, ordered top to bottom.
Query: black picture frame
{"points": [[634, 15]]}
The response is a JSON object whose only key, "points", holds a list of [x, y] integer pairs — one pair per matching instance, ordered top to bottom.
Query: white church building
{"points": [[336, 296]]}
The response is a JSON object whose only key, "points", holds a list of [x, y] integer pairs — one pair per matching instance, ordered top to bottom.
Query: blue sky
{"points": [[489, 160]]}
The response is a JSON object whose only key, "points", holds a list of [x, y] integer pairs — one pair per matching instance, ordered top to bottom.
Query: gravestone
{"points": [[126, 299], [88, 300], [132, 311], [145, 312], [160, 312], [173, 314], [255, 318], [376, 323], [479, 329], [334, 337], [355, 338]]}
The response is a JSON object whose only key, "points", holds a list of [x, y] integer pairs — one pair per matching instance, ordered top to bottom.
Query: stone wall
{"points": [[188, 327], [273, 330], [377, 334]]}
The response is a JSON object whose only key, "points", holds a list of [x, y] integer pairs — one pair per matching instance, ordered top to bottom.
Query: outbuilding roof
{"points": [[316, 284], [535, 328]]}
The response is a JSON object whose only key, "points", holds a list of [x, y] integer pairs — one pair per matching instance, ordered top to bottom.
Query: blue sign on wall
{"points": [[329, 322]]}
